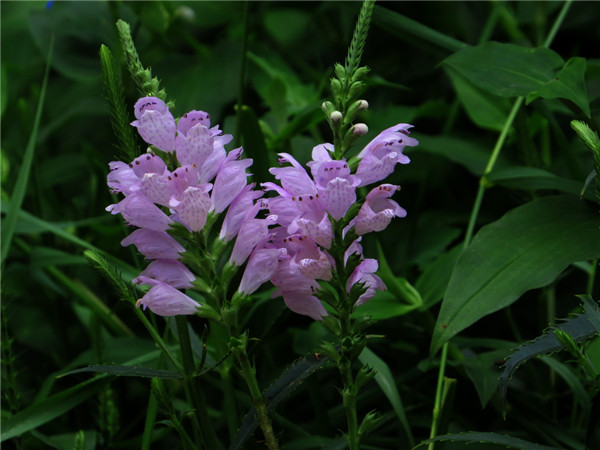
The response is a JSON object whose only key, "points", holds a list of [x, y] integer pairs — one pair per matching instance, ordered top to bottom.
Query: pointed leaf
{"points": [[507, 70], [568, 83], [526, 249], [578, 327], [127, 371], [385, 380], [277, 392], [50, 408], [489, 438]]}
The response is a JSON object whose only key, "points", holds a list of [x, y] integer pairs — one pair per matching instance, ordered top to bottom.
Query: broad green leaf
{"points": [[507, 70], [568, 83], [484, 109], [468, 153], [532, 178], [525, 249], [42, 257], [434, 280], [386, 305], [127, 371], [385, 380], [50, 408], [489, 438]]}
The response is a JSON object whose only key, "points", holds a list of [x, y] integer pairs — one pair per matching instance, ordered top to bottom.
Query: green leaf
{"points": [[399, 24], [507, 70], [568, 83], [484, 109], [254, 144], [468, 153], [532, 178], [525, 249], [434, 280], [592, 311], [579, 328], [127, 371], [483, 371], [385, 380], [50, 408], [489, 438]]}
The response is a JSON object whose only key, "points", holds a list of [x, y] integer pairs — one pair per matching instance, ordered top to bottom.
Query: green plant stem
{"points": [[475, 211], [248, 373], [438, 402], [204, 427]]}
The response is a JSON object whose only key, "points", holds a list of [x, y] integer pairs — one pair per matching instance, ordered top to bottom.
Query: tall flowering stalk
{"points": [[174, 194], [322, 272]]}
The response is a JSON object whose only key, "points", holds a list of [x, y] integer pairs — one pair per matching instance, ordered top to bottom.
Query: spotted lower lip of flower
{"points": [[155, 123], [378, 210]]}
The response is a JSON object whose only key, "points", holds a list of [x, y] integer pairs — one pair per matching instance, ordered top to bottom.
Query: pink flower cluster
{"points": [[208, 179], [305, 205], [289, 243]]}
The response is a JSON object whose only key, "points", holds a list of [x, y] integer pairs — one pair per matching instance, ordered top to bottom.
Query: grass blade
{"points": [[18, 194]]}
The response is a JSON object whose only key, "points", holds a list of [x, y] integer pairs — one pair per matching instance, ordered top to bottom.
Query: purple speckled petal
{"points": [[191, 119], [155, 123], [148, 163], [230, 181], [338, 196], [193, 207], [238, 208], [378, 210], [307, 305]]}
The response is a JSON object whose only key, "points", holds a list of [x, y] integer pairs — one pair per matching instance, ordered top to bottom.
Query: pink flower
{"points": [[155, 123], [380, 156], [127, 178], [230, 180], [193, 207], [238, 208], [137, 210], [378, 210], [253, 233], [154, 244], [262, 264], [168, 271], [365, 274], [165, 300]]}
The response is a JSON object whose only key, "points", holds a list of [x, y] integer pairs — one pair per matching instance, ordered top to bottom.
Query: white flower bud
{"points": [[336, 116], [360, 129]]}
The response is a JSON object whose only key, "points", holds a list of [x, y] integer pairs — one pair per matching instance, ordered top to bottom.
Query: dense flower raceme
{"points": [[208, 179], [304, 206], [289, 244]]}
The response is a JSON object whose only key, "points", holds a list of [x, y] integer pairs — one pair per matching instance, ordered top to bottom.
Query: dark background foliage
{"points": [[197, 49]]}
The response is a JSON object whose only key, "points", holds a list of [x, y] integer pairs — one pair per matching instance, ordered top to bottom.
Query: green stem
{"points": [[474, 213], [248, 373], [349, 399], [438, 402], [201, 419]]}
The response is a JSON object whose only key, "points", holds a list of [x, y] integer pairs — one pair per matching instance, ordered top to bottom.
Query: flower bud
{"points": [[340, 71], [360, 73], [336, 87], [356, 88], [328, 108], [355, 108], [336, 116], [360, 129]]}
